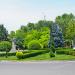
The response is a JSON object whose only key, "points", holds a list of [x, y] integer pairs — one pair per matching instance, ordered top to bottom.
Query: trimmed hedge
{"points": [[67, 52], [33, 53], [9, 54], [19, 55]]}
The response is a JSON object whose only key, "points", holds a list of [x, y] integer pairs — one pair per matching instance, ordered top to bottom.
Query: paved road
{"points": [[13, 47], [38, 68]]}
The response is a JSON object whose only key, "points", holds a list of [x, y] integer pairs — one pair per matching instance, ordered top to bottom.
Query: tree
{"points": [[63, 22], [42, 23], [30, 26], [24, 29], [3, 33], [70, 33], [12, 34], [33, 35], [56, 35], [44, 37], [19, 39], [34, 45]]}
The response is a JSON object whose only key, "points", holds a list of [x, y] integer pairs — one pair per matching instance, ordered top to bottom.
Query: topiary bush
{"points": [[34, 45], [19, 55]]}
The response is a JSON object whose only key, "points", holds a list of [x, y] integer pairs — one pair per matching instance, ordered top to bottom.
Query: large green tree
{"points": [[64, 21], [3, 33], [12, 35], [19, 36]]}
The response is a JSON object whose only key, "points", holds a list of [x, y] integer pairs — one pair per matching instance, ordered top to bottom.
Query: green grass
{"points": [[41, 57], [47, 57], [9, 58]]}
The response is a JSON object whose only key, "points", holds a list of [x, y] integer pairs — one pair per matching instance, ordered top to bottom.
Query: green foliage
{"points": [[67, 23], [30, 26], [24, 29], [34, 31], [41, 31], [3, 33], [70, 33], [12, 34], [44, 37], [19, 39], [27, 39], [68, 43], [35, 45], [5, 46], [52, 50], [60, 51], [66, 51], [34, 53], [9, 54], [52, 54], [19, 55]]}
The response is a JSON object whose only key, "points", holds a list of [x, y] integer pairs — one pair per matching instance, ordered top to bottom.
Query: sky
{"points": [[14, 13]]}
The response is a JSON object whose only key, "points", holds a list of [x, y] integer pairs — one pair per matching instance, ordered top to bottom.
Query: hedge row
{"points": [[65, 52], [26, 53], [9, 54], [31, 54], [34, 54]]}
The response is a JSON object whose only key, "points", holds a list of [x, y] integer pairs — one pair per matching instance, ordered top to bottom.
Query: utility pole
{"points": [[44, 16]]}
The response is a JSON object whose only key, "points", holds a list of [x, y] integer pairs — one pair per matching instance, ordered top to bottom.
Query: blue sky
{"points": [[14, 13]]}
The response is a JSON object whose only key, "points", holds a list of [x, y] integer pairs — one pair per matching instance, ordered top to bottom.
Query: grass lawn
{"points": [[41, 57], [47, 57]]}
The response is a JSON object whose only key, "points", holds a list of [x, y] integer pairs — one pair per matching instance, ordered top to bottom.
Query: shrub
{"points": [[68, 43], [35, 45], [5, 46], [53, 49], [52, 54], [19, 55]]}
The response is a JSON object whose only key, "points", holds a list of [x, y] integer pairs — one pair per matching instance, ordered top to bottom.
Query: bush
{"points": [[35, 45], [5, 46], [53, 49], [52, 54], [19, 55]]}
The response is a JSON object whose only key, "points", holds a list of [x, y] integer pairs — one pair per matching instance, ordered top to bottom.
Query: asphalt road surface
{"points": [[37, 68]]}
